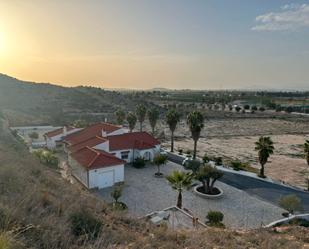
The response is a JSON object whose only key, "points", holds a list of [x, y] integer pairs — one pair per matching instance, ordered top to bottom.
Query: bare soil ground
{"points": [[234, 139]]}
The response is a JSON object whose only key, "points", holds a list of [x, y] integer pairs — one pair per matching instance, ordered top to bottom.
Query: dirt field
{"points": [[234, 139]]}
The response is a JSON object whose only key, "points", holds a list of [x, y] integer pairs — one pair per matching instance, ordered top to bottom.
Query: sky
{"points": [[142, 44]]}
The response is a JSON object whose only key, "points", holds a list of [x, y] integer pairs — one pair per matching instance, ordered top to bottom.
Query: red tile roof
{"points": [[58, 131], [89, 132], [136, 140], [91, 142], [94, 159]]}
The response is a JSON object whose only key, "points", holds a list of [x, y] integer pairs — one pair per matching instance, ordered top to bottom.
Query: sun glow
{"points": [[2, 43]]}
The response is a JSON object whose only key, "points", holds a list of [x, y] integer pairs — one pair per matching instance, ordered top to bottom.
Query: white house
{"points": [[54, 138], [111, 142], [96, 169]]}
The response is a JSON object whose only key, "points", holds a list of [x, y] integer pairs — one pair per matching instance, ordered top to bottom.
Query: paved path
{"points": [[267, 191], [144, 193]]}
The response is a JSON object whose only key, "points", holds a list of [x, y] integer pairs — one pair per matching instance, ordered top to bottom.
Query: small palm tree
{"points": [[141, 114], [120, 116], [153, 116], [172, 118], [131, 119], [195, 120], [265, 148], [306, 150], [159, 160], [178, 181], [116, 193]]}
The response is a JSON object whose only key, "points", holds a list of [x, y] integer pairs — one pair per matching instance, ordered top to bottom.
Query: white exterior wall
{"points": [[118, 132], [51, 142], [103, 146], [151, 152], [117, 153], [138, 153], [78, 171], [106, 177]]}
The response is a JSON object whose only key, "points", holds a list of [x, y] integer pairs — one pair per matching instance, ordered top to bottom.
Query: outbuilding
{"points": [[95, 168]]}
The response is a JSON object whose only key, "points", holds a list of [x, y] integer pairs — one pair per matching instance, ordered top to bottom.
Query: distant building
{"points": [[55, 137]]}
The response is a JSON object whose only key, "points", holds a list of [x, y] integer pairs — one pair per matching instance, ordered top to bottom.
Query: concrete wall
{"points": [[78, 171]]}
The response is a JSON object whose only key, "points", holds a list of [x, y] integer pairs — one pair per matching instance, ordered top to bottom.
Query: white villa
{"points": [[97, 154]]}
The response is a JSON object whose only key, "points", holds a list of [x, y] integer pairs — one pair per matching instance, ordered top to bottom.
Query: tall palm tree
{"points": [[141, 114], [120, 116], [153, 116], [172, 118], [131, 119], [195, 120], [265, 148], [306, 150], [178, 181]]}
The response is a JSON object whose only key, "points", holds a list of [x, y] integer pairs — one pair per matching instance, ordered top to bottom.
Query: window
{"points": [[125, 154]]}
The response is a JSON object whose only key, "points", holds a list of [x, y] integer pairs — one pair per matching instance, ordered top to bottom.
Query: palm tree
{"points": [[141, 114], [120, 116], [153, 116], [131, 118], [172, 118], [195, 120], [265, 148], [306, 150], [159, 160], [178, 181]]}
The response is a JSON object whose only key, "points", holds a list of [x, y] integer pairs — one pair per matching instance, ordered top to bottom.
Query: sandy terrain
{"points": [[234, 139]]}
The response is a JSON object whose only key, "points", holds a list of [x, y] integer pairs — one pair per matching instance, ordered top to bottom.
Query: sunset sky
{"points": [[199, 44]]}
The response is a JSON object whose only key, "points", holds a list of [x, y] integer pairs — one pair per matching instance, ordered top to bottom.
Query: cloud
{"points": [[291, 17]]}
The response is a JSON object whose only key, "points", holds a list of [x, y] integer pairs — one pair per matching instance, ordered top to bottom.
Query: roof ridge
{"points": [[95, 158]]}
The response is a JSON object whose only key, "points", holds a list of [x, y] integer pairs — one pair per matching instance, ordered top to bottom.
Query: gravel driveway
{"points": [[144, 193]]}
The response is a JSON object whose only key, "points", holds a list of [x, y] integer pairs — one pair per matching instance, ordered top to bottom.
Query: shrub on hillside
{"points": [[215, 218], [85, 224]]}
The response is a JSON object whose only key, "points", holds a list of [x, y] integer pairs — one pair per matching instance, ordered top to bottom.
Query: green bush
{"points": [[206, 158], [218, 161], [139, 163], [236, 165], [291, 203], [215, 218], [85, 224]]}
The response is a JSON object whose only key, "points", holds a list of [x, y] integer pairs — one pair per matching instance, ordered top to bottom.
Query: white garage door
{"points": [[105, 179]]}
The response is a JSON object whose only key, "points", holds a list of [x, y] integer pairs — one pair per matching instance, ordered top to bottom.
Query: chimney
{"points": [[105, 120], [65, 130], [104, 134]]}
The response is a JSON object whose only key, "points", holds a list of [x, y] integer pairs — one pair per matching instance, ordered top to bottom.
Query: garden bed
{"points": [[216, 193]]}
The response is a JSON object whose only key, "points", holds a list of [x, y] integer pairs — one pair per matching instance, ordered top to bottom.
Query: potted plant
{"points": [[159, 161], [208, 175]]}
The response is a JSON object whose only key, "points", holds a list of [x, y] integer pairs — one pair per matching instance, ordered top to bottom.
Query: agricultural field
{"points": [[235, 139]]}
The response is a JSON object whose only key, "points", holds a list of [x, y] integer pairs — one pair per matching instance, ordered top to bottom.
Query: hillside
{"points": [[29, 102], [37, 206]]}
